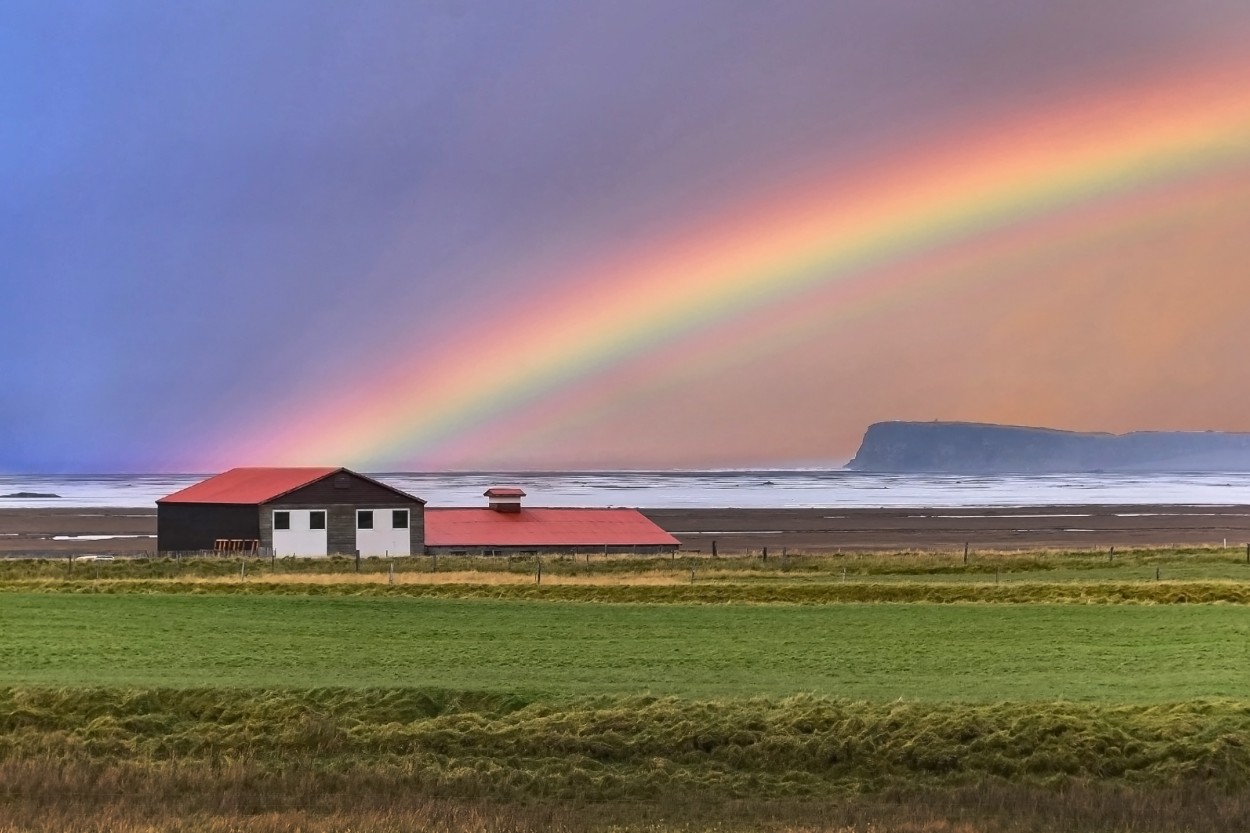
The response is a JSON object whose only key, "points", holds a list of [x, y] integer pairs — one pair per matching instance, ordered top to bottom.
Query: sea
{"points": [[767, 488]]}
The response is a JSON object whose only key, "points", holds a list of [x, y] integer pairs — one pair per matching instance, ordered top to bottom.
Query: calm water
{"points": [[709, 489]]}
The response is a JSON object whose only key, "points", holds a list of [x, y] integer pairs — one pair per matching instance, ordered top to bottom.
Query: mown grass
{"points": [[874, 651], [380, 759]]}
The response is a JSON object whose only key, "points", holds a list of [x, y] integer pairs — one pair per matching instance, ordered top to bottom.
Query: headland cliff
{"points": [[968, 447]]}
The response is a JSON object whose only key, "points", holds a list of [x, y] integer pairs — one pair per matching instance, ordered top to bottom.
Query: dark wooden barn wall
{"points": [[191, 527]]}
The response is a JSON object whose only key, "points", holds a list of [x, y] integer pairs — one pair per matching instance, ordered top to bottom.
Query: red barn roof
{"points": [[249, 485], [542, 528]]}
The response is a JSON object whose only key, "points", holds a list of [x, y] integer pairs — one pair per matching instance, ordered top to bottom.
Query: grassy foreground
{"points": [[912, 692], [629, 747], [413, 759]]}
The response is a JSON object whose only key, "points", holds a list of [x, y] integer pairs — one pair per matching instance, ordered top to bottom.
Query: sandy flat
{"points": [[1028, 527], [36, 531], [44, 531]]}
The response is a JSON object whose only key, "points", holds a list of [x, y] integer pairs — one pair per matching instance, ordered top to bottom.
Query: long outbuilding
{"points": [[329, 511], [505, 527]]}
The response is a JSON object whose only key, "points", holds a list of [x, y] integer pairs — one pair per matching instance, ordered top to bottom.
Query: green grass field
{"points": [[875, 651], [912, 692]]}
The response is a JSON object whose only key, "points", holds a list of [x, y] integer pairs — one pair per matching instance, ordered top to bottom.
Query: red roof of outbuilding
{"points": [[249, 485], [542, 527]]}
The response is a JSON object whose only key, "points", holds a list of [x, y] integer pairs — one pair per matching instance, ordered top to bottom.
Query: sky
{"points": [[481, 234]]}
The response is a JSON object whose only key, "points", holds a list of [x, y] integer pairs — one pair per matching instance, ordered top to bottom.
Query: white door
{"points": [[383, 531], [299, 532]]}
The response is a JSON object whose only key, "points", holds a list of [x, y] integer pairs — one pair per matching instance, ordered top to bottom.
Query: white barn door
{"points": [[299, 532], [383, 532]]}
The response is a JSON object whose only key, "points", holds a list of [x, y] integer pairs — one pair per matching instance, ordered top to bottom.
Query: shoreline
{"points": [[52, 532]]}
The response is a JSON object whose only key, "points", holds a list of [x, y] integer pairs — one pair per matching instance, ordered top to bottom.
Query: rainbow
{"points": [[864, 238]]}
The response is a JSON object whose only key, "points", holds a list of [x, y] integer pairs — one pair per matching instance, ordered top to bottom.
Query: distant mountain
{"points": [[970, 447]]}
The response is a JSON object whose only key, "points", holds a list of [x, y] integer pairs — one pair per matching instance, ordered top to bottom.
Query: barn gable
{"points": [[343, 486], [344, 495]]}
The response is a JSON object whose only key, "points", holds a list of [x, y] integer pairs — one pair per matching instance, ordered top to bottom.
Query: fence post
{"points": [[713, 547], [965, 553], [764, 554], [358, 561], [538, 574], [390, 576]]}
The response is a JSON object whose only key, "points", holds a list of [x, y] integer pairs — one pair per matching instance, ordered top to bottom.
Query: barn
{"points": [[291, 511], [504, 526]]}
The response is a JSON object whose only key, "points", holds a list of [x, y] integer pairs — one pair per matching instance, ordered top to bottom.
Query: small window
{"points": [[317, 519], [364, 519], [399, 519], [281, 520]]}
